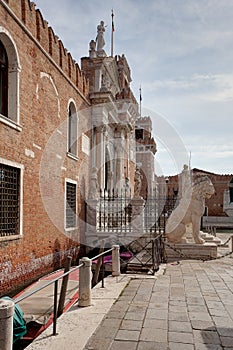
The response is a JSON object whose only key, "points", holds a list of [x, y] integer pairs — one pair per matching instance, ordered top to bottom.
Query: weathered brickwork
{"points": [[49, 80]]}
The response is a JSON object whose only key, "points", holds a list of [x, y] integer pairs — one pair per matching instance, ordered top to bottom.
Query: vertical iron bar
{"points": [[153, 255], [102, 271], [55, 308]]}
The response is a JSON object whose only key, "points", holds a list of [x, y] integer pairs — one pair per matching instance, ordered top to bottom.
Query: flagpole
{"points": [[112, 34]]}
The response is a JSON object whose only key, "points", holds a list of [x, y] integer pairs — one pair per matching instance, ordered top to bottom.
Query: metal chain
{"points": [[228, 240], [192, 258]]}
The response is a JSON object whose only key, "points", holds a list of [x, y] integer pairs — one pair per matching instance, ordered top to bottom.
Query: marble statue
{"points": [[100, 36], [92, 51], [186, 181], [137, 183], [94, 190], [189, 211]]}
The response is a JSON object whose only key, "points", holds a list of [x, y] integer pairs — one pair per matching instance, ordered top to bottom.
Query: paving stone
{"points": [[126, 297], [142, 297], [195, 301], [177, 303], [158, 305], [215, 305], [120, 306], [134, 307], [177, 308], [197, 308], [217, 312], [116, 314], [157, 314], [138, 316], [178, 316], [199, 316], [111, 322], [224, 322], [153, 323], [131, 325], [203, 325], [176, 326], [105, 332], [226, 332], [124, 334], [155, 335], [178, 337], [206, 337], [227, 341], [97, 344], [123, 345], [148, 345], [180, 346], [200, 346]]}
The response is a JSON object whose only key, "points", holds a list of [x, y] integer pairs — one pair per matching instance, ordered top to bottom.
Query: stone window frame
{"points": [[12, 119], [72, 130], [71, 182], [20, 225]]}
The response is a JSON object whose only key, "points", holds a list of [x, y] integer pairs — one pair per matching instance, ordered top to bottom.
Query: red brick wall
{"points": [[43, 109]]}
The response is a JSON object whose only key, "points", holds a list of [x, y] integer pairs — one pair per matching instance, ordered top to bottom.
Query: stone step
{"points": [[210, 238], [191, 251]]}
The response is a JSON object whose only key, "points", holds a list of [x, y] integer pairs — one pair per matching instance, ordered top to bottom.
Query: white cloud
{"points": [[181, 52], [212, 87]]}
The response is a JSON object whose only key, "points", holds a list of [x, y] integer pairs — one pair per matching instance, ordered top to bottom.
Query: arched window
{"points": [[9, 80], [3, 81], [72, 130]]}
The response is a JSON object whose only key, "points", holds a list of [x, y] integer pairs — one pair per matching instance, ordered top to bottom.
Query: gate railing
{"points": [[115, 213]]}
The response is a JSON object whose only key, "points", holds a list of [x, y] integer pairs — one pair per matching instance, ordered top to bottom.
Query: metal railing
{"points": [[55, 281]]}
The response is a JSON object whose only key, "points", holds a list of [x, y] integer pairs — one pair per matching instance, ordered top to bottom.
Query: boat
{"points": [[125, 257], [38, 308]]}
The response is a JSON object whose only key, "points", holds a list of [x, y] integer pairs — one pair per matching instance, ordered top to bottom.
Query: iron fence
{"points": [[115, 212]]}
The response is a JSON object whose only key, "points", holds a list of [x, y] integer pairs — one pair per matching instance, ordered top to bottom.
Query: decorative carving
{"points": [[92, 52], [105, 84], [137, 183], [94, 189], [189, 211]]}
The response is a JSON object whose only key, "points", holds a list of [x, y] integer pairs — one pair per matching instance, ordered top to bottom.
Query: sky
{"points": [[181, 54]]}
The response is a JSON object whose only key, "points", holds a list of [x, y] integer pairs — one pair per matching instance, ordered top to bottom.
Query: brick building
{"points": [[57, 122], [43, 167], [214, 205]]}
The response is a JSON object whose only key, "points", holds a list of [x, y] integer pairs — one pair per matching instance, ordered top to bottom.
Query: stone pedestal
{"points": [[137, 216], [191, 251], [116, 268], [85, 277], [6, 324]]}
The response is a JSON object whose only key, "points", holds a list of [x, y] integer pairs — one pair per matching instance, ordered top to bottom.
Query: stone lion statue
{"points": [[189, 211]]}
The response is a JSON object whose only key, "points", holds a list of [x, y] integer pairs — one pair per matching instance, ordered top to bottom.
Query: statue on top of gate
{"points": [[137, 183]]}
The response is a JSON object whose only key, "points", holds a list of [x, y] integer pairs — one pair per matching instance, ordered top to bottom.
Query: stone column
{"points": [[116, 268], [85, 276], [6, 324]]}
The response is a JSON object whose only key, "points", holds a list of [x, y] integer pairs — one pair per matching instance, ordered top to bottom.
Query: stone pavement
{"points": [[189, 307]]}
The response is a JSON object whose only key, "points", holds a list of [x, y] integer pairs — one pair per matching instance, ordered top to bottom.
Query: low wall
{"points": [[218, 221]]}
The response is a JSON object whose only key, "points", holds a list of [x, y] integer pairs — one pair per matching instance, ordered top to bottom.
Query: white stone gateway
{"points": [[189, 211]]}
